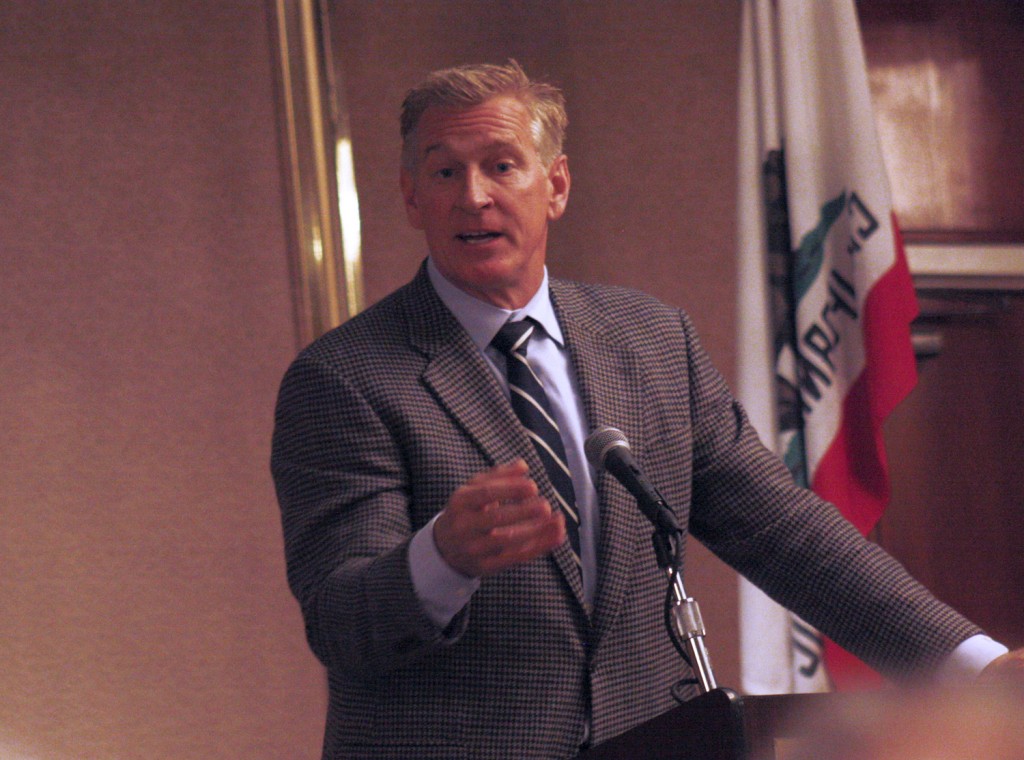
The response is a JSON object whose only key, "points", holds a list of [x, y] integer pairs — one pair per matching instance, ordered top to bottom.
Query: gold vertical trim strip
{"points": [[347, 194], [327, 285]]}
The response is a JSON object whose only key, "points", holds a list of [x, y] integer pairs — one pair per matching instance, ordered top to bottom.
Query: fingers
{"points": [[504, 483], [495, 521], [522, 544]]}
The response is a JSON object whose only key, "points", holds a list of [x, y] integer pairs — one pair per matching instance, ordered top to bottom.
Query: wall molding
{"points": [[971, 267]]}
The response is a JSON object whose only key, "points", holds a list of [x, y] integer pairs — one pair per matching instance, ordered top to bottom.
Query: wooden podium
{"points": [[719, 725]]}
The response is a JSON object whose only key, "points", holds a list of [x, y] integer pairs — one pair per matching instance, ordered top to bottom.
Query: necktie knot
{"points": [[513, 336]]}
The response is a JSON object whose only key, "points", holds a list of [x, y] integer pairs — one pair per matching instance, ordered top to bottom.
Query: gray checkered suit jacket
{"points": [[379, 421]]}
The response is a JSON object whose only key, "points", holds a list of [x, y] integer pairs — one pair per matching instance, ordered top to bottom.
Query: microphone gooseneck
{"points": [[608, 449]]}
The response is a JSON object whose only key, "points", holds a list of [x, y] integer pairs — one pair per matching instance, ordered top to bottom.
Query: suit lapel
{"points": [[458, 374], [609, 382], [465, 386]]}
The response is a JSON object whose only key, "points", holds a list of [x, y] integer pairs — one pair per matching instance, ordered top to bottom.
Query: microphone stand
{"points": [[686, 624]]}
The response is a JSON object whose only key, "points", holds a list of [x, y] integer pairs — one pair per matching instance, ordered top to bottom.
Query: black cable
{"points": [[669, 548], [673, 634], [677, 690]]}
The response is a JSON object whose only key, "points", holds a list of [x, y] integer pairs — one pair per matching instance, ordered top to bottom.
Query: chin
{"points": [[488, 272]]}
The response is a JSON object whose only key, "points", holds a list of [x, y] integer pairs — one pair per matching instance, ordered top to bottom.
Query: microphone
{"points": [[607, 448]]}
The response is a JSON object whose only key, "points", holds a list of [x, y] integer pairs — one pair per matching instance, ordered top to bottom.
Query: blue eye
{"points": [[503, 167], [445, 173]]}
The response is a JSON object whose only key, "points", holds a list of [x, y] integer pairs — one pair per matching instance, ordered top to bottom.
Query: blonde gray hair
{"points": [[471, 85]]}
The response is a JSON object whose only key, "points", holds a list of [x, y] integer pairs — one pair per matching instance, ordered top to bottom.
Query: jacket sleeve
{"points": [[345, 507], [798, 548]]}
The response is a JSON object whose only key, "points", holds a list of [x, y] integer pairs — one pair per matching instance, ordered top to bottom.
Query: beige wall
{"points": [[145, 320]]}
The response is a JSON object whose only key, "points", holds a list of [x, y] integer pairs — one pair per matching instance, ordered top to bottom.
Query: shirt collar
{"points": [[483, 320]]}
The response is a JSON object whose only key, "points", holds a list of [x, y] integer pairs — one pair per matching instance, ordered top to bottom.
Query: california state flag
{"points": [[825, 297]]}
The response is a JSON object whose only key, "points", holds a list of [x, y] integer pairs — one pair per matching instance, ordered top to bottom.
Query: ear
{"points": [[559, 182], [412, 212]]}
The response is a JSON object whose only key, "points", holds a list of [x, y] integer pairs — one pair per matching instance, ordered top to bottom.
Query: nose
{"points": [[475, 191]]}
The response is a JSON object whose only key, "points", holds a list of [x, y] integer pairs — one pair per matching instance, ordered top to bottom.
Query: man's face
{"points": [[483, 198]]}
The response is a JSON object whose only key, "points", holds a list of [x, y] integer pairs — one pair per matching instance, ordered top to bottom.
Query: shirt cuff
{"points": [[442, 591], [969, 659]]}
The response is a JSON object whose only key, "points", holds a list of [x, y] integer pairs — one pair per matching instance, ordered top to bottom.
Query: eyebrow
{"points": [[494, 145]]}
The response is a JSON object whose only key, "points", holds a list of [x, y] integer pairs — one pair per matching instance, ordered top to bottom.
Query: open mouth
{"points": [[476, 238]]}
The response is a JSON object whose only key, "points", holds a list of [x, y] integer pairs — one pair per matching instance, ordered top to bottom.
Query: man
{"points": [[458, 613]]}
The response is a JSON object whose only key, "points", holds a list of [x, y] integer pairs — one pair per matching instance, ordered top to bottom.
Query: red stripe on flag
{"points": [[889, 353], [854, 473], [848, 673]]}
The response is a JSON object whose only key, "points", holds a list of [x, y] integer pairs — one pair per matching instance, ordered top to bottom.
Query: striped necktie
{"points": [[530, 403]]}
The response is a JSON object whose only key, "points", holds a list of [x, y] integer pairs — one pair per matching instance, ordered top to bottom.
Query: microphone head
{"points": [[602, 441]]}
